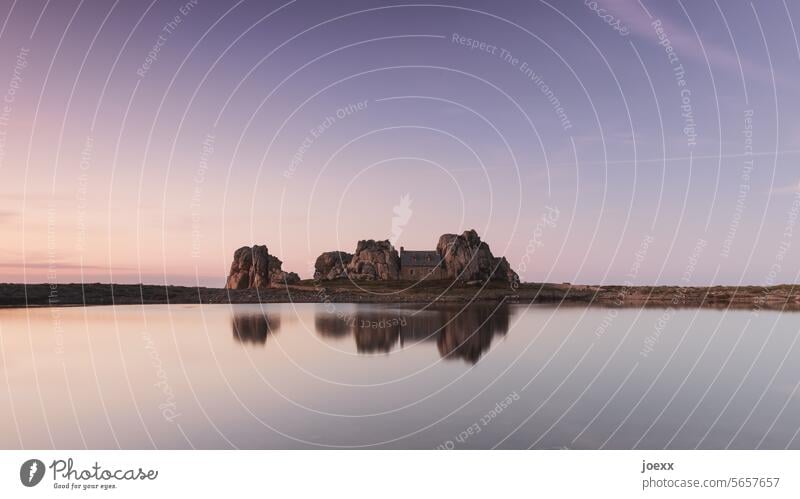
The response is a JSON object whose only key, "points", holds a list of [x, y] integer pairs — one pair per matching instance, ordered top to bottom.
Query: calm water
{"points": [[305, 375]]}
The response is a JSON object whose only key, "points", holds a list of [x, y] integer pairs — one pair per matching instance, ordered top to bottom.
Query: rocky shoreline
{"points": [[343, 291]]}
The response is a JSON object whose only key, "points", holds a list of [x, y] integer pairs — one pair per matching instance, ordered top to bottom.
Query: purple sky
{"points": [[615, 141]]}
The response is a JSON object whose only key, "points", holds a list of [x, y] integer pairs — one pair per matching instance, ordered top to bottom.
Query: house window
{"points": [[412, 271]]}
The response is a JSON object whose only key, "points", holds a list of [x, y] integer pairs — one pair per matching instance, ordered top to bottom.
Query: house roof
{"points": [[419, 258]]}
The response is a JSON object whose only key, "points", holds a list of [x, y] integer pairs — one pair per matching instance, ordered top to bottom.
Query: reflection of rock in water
{"points": [[331, 325], [254, 327], [376, 333], [464, 333], [470, 333]]}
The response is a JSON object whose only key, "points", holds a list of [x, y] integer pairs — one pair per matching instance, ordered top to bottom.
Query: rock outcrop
{"points": [[463, 257], [467, 258], [374, 260], [332, 265], [250, 268], [255, 268], [503, 271], [278, 276]]}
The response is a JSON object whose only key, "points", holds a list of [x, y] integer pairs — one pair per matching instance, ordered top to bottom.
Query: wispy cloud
{"points": [[683, 38], [787, 189], [6, 215], [62, 265]]}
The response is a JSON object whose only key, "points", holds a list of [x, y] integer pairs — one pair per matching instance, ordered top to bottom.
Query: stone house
{"points": [[419, 265]]}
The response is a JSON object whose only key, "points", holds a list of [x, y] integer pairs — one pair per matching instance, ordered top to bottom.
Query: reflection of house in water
{"points": [[418, 265], [254, 327], [464, 333]]}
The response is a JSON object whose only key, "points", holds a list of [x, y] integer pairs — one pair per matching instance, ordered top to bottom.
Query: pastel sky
{"points": [[618, 141]]}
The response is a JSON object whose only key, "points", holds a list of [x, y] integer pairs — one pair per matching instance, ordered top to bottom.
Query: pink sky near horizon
{"points": [[113, 176]]}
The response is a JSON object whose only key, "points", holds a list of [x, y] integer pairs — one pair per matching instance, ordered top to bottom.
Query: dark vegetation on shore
{"points": [[785, 297]]}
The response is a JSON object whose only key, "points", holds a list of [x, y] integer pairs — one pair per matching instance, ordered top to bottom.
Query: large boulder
{"points": [[467, 258], [374, 260], [332, 265], [250, 268], [255, 268], [503, 271], [278, 276]]}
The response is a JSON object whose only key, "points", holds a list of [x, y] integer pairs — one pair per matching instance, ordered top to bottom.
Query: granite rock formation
{"points": [[463, 257], [467, 258], [374, 260], [332, 265], [250, 268], [255, 268], [503, 271], [278, 276]]}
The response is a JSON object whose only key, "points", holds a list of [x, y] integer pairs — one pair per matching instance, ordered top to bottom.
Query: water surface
{"points": [[317, 375]]}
